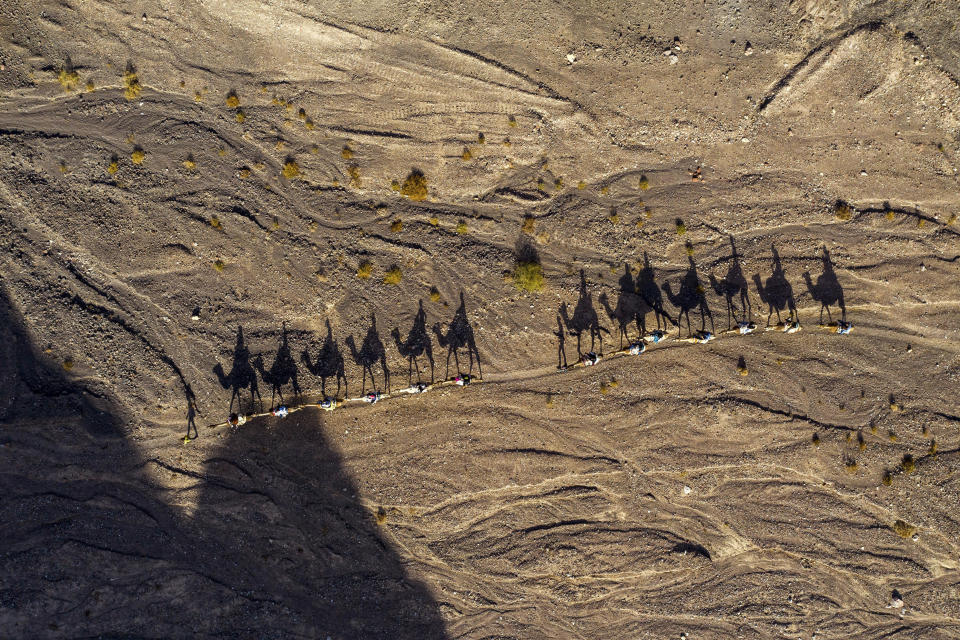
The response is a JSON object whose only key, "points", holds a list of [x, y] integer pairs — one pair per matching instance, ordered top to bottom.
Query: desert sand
{"points": [[216, 206]]}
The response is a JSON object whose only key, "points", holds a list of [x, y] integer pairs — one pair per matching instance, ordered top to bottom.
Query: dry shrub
{"points": [[68, 76], [131, 83], [233, 100], [241, 116], [512, 121], [481, 139], [346, 153], [138, 155], [466, 155], [190, 163], [114, 165], [290, 168], [354, 172], [643, 183], [415, 185], [581, 185], [842, 210], [215, 221], [528, 224], [396, 226], [461, 227], [681, 227], [218, 265], [365, 270], [393, 275], [434, 294], [815, 440], [908, 464], [887, 479], [381, 516], [903, 529]]}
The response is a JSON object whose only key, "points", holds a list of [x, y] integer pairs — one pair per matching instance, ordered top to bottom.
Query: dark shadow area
{"points": [[734, 290], [827, 290], [649, 291], [777, 294], [691, 296], [630, 308], [585, 319], [459, 335], [561, 338], [417, 344], [370, 353], [329, 362], [283, 370], [241, 376], [269, 539]]}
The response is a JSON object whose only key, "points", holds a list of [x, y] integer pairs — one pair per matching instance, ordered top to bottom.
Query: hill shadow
{"points": [[827, 290], [777, 293], [459, 335], [417, 344], [329, 362], [103, 540]]}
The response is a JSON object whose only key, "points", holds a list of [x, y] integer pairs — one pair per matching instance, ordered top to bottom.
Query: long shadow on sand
{"points": [[733, 288], [827, 290], [777, 294], [690, 296], [631, 308], [584, 319], [459, 335], [416, 345], [370, 353], [329, 362], [283, 371], [242, 375], [269, 539]]}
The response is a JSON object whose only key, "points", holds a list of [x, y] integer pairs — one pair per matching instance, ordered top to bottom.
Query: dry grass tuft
{"points": [[68, 77], [131, 83], [232, 99], [346, 153], [138, 155], [466, 155], [190, 163], [354, 172], [643, 183], [842, 210], [529, 222], [396, 226], [461, 227], [681, 227], [218, 265], [365, 270], [393, 275], [528, 276], [434, 294], [908, 464]]}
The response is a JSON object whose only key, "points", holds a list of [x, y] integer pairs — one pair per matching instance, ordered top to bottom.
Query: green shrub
{"points": [[528, 276]]}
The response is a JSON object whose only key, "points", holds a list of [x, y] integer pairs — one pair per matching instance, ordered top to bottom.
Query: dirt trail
{"points": [[206, 207]]}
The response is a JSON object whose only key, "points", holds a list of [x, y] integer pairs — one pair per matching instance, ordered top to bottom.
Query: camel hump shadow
{"points": [[648, 289], [734, 289], [827, 290], [776, 292], [691, 295], [630, 307], [584, 318], [459, 335], [417, 344], [371, 352], [329, 362], [282, 371], [242, 374]]}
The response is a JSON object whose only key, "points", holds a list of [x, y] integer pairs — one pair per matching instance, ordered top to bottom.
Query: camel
{"points": [[733, 285], [646, 286], [827, 291], [777, 294], [691, 296], [585, 319], [459, 334], [417, 344], [370, 352], [329, 362], [282, 371], [242, 374]]}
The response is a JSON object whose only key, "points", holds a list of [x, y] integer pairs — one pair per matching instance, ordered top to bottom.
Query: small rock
{"points": [[748, 50], [571, 58], [673, 58], [863, 172], [686, 490], [896, 600]]}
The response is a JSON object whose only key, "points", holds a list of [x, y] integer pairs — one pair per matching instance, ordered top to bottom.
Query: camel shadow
{"points": [[733, 288], [827, 291], [649, 292], [777, 293], [691, 296], [631, 307], [584, 319], [459, 335], [417, 344], [370, 353], [329, 362], [283, 370], [242, 375], [277, 538]]}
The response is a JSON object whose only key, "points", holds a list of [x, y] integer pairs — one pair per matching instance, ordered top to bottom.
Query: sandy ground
{"points": [[175, 175]]}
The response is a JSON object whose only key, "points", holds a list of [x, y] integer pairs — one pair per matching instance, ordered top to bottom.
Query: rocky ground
{"points": [[197, 197]]}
